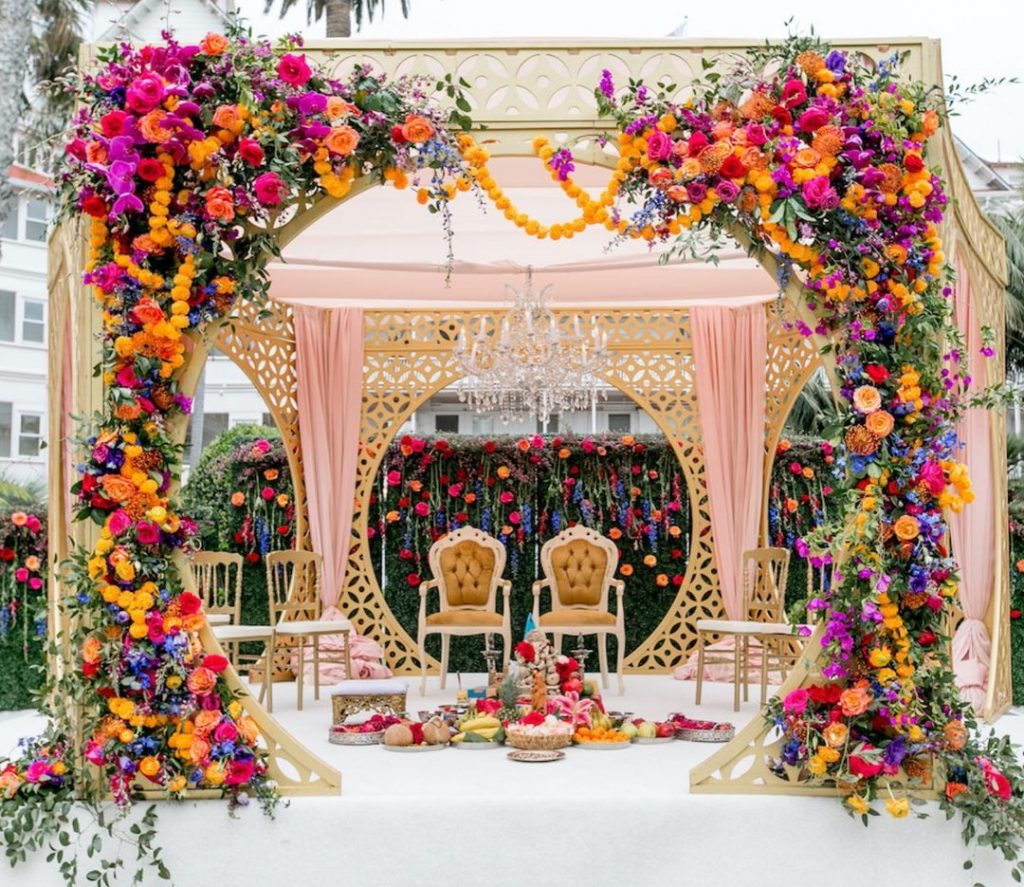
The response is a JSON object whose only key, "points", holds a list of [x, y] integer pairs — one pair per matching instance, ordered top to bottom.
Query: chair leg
{"points": [[347, 637], [420, 641], [446, 643], [620, 643], [558, 644], [602, 654], [745, 666], [316, 667], [700, 667], [302, 668], [736, 674], [268, 675]]}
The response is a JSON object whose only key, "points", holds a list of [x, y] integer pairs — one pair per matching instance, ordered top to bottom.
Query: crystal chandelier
{"points": [[530, 365]]}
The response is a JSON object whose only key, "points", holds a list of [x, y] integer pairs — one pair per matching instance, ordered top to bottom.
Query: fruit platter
{"points": [[478, 730], [358, 731], [702, 731], [651, 732], [414, 736], [601, 738]]}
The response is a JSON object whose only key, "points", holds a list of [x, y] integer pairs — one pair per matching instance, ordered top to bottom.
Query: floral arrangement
{"points": [[819, 157], [182, 158], [526, 490], [802, 493], [262, 510], [23, 557]]}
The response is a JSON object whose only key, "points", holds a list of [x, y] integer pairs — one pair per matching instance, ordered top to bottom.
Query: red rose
{"points": [[793, 93], [781, 116], [397, 136], [698, 142], [251, 152], [913, 163], [733, 167], [150, 169], [95, 206], [877, 373], [490, 446], [6, 554], [252, 557], [413, 579], [189, 603], [1015, 614], [927, 638], [525, 651], [215, 663], [90, 669], [825, 694], [533, 719], [864, 768], [996, 784]]}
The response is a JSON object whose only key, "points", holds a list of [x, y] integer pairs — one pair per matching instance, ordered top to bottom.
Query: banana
{"points": [[478, 724], [487, 732], [458, 737]]}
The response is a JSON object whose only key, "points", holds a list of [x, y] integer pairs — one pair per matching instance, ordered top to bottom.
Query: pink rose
{"points": [[293, 69], [144, 93], [793, 93], [812, 120], [757, 135], [659, 145], [270, 189], [819, 194], [261, 446], [932, 475], [394, 478], [455, 490], [267, 493], [505, 497], [422, 509], [514, 517], [119, 522], [33, 524], [148, 533], [21, 574], [35, 583], [795, 702], [225, 731], [93, 753], [36, 771], [239, 772], [996, 784]]}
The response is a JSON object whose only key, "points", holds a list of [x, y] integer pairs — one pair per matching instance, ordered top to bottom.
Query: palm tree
{"points": [[338, 13], [15, 40], [814, 410]]}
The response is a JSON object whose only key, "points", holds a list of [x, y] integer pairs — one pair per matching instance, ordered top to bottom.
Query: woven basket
{"points": [[536, 742]]}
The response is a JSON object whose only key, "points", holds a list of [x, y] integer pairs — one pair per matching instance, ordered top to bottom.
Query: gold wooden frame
{"points": [[519, 92]]}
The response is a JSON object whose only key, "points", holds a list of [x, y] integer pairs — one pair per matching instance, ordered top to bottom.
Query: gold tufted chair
{"points": [[466, 566], [579, 567]]}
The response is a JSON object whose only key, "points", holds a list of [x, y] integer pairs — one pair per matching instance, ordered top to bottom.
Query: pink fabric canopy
{"points": [[973, 531]]}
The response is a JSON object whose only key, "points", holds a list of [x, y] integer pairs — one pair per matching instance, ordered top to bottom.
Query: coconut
{"points": [[435, 732], [398, 734]]}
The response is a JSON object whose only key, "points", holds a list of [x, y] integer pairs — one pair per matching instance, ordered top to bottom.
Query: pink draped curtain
{"points": [[730, 351], [329, 370], [973, 530]]}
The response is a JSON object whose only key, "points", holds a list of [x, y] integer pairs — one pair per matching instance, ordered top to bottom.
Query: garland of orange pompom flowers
{"points": [[178, 148]]}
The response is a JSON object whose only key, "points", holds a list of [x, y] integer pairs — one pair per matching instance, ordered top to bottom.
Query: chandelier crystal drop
{"points": [[529, 364]]}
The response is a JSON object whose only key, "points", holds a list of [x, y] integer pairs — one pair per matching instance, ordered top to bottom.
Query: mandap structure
{"points": [[780, 147]]}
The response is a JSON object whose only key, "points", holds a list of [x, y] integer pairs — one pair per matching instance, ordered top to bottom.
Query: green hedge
{"points": [[1017, 589]]}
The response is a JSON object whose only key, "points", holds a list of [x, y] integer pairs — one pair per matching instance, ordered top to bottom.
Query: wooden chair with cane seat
{"points": [[466, 566], [579, 568], [765, 571], [217, 577], [293, 589]]}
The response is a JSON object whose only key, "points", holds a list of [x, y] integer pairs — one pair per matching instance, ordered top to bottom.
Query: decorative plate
{"points": [[723, 733], [340, 737], [654, 740], [475, 746], [604, 746], [414, 748], [535, 757]]}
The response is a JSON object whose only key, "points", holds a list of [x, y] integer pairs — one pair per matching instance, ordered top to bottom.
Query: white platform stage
{"points": [[595, 818]]}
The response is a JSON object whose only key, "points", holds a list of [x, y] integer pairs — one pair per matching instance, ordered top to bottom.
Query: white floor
{"points": [[595, 818]]}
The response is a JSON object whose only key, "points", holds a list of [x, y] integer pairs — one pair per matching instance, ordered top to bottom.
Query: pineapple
{"points": [[508, 693]]}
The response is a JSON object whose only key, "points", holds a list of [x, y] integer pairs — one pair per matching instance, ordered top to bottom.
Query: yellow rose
{"points": [[867, 399], [879, 423], [906, 528], [880, 657], [835, 734], [898, 809]]}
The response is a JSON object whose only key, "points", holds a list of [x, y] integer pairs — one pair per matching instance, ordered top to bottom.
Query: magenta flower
{"points": [[293, 69], [21, 574]]}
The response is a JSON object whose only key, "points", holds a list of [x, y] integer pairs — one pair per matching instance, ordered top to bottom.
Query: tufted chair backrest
{"points": [[579, 568], [467, 571]]}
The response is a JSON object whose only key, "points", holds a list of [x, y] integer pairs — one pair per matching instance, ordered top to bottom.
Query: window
{"points": [[37, 217], [9, 227], [8, 303], [33, 321], [6, 412], [268, 420], [620, 422], [448, 423], [214, 425], [551, 427], [30, 435]]}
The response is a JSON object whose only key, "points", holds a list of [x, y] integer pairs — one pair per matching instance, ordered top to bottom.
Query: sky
{"points": [[980, 38]]}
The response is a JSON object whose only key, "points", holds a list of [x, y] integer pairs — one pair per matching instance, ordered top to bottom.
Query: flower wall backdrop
{"points": [[23, 588]]}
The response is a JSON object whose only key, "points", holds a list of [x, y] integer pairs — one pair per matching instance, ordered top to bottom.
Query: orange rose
{"points": [[213, 44], [338, 107], [227, 117], [417, 129], [152, 131], [341, 140], [807, 157], [690, 169], [220, 204], [147, 310], [867, 399], [880, 423], [628, 440], [564, 453], [503, 471], [271, 474], [117, 488], [238, 499], [906, 528], [615, 533], [650, 560], [626, 569], [661, 580], [91, 649], [202, 681], [854, 701], [205, 721], [248, 730], [835, 734], [955, 734], [198, 750], [149, 766]]}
